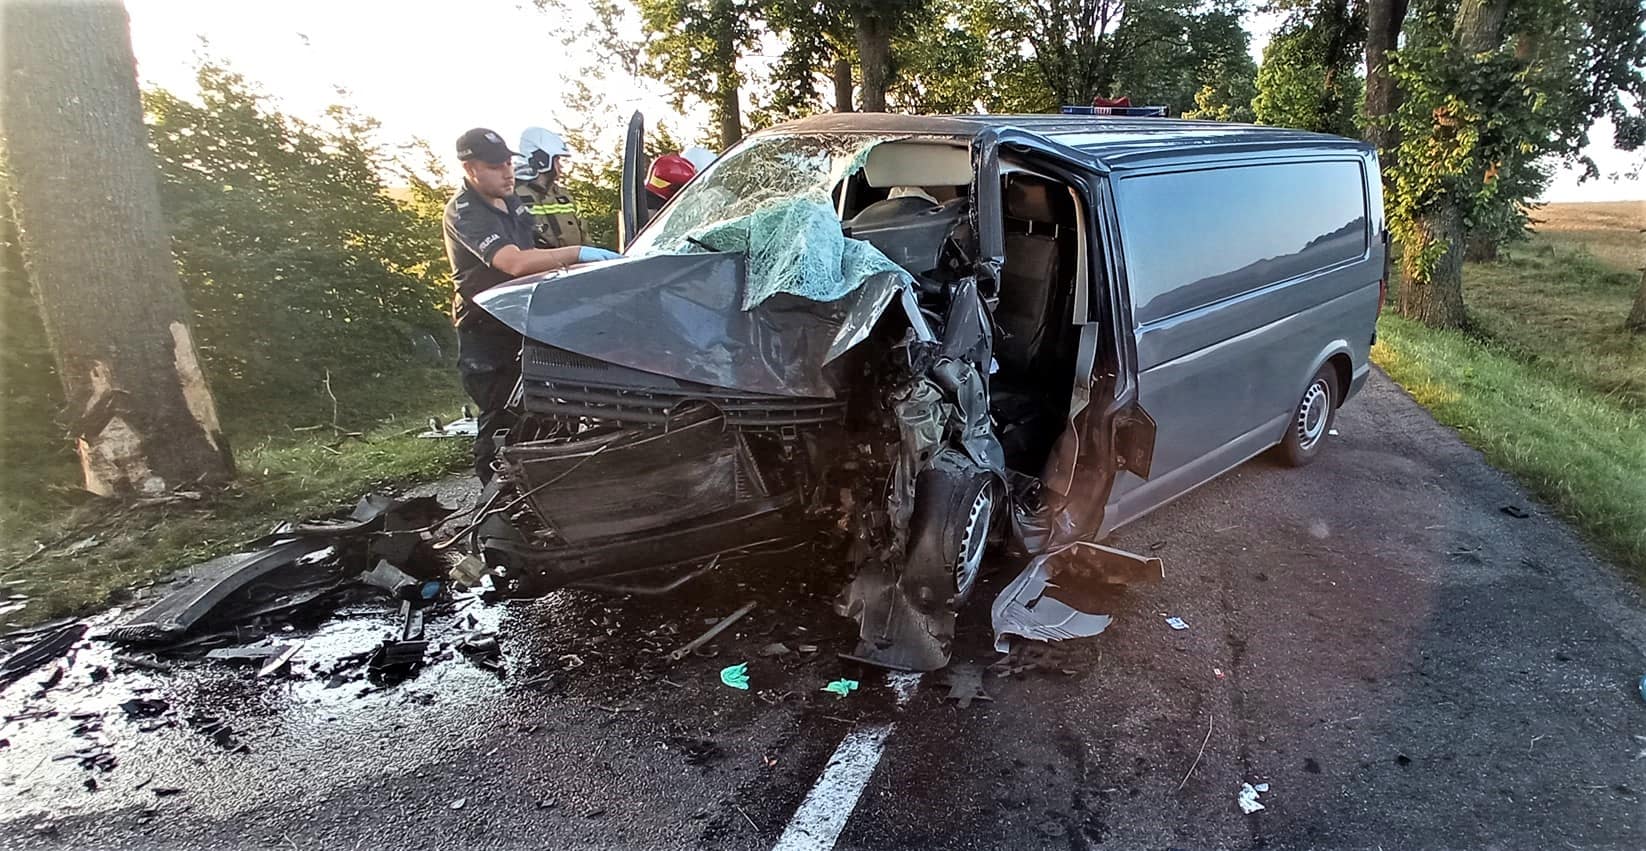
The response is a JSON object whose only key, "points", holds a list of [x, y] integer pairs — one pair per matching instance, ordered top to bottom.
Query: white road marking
{"points": [[817, 824]]}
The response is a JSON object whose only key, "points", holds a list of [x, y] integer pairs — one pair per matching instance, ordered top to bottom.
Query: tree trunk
{"points": [[1384, 19], [1479, 25], [874, 55], [843, 85], [728, 106], [1435, 298], [113, 308], [1637, 314]]}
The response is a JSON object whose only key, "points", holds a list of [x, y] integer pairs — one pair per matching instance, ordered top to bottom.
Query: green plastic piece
{"points": [[737, 676], [841, 687]]}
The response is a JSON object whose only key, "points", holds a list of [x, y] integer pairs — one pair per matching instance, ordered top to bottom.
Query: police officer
{"points": [[537, 176], [489, 240]]}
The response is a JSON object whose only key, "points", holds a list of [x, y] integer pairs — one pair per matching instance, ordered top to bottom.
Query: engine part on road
{"points": [[709, 635]]}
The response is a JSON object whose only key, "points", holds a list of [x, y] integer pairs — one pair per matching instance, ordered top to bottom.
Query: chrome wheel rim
{"points": [[1312, 414], [973, 542]]}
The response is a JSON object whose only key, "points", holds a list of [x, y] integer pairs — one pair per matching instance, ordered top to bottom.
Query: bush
{"points": [[296, 260]]}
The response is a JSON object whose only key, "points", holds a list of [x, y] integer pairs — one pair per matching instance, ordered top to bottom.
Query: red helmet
{"points": [[668, 173]]}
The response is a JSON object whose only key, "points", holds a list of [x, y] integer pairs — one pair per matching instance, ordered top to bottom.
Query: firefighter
{"points": [[537, 173], [667, 174]]}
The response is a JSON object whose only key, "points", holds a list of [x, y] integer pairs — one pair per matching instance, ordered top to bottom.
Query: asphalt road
{"points": [[1404, 664]]}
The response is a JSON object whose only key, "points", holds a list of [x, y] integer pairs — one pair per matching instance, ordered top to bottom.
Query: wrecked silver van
{"points": [[933, 335]]}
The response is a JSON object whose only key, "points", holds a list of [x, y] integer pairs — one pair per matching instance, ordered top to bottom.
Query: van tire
{"points": [[1311, 420], [956, 505]]}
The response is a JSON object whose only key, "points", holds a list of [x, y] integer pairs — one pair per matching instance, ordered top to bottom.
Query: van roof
{"points": [[1116, 142]]}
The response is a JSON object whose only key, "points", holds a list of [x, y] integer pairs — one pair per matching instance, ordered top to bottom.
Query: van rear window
{"points": [[1192, 238]]}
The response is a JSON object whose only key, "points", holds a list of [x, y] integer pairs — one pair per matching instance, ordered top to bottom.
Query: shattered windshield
{"points": [[755, 174]]}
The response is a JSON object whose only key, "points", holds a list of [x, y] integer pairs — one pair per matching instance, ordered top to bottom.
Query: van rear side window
{"points": [[1194, 237]]}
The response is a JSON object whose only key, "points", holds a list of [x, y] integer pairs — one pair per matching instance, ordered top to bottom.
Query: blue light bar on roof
{"points": [[1138, 111]]}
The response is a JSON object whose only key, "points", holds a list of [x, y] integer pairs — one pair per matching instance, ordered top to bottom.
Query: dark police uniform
{"points": [[488, 352]]}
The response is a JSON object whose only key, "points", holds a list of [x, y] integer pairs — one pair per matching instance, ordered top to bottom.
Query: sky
{"points": [[431, 70]]}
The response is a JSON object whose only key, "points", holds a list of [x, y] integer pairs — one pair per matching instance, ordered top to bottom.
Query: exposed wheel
{"points": [[1311, 419], [955, 508], [974, 539]]}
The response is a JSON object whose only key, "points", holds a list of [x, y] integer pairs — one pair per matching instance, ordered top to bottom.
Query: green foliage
{"points": [[695, 48], [1152, 51], [1169, 52], [1297, 88], [1481, 107], [293, 256], [31, 397]]}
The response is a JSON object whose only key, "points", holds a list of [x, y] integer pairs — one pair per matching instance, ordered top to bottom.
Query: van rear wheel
{"points": [[1311, 420]]}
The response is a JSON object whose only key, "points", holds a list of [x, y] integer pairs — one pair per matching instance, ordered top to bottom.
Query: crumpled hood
{"points": [[681, 315]]}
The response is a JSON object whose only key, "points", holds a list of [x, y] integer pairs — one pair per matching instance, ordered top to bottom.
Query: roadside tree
{"points": [[97, 251]]}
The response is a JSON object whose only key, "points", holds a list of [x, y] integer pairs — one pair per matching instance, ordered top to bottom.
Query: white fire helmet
{"points": [[538, 148], [698, 157]]}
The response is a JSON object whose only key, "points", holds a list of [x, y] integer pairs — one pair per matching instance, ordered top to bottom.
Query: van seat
{"points": [[1028, 277]]}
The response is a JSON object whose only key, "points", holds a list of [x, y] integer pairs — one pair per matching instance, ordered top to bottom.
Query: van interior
{"points": [[1043, 280]]}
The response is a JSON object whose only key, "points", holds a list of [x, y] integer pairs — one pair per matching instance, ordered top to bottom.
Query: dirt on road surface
{"points": [[1401, 661]]}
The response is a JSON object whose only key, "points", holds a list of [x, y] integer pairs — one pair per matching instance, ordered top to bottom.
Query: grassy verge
{"points": [[1548, 385], [283, 474]]}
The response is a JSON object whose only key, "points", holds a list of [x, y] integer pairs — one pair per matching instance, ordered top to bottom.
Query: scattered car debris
{"points": [[465, 426], [1515, 511], [298, 563], [1024, 607], [1176, 623], [709, 635], [51, 646], [257, 653], [401, 654], [280, 661], [736, 676], [965, 685], [1643, 687], [841, 688], [145, 707], [219, 731], [1247, 799], [459, 803]]}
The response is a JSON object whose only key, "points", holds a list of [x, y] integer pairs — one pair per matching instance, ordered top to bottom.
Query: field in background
{"points": [[1611, 231], [1548, 383]]}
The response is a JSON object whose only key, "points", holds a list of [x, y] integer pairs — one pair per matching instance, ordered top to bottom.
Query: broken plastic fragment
{"points": [[1023, 609], [1176, 623], [736, 676], [966, 685], [841, 688], [1248, 797]]}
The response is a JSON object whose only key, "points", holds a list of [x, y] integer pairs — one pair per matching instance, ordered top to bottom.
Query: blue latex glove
{"points": [[591, 254]]}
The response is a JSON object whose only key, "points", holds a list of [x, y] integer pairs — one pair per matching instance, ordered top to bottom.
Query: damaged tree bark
{"points": [[140, 409]]}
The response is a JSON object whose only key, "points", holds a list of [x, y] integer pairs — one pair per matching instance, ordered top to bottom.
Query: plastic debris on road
{"points": [[1176, 623], [736, 676], [966, 685], [1643, 687], [841, 688], [1248, 797]]}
